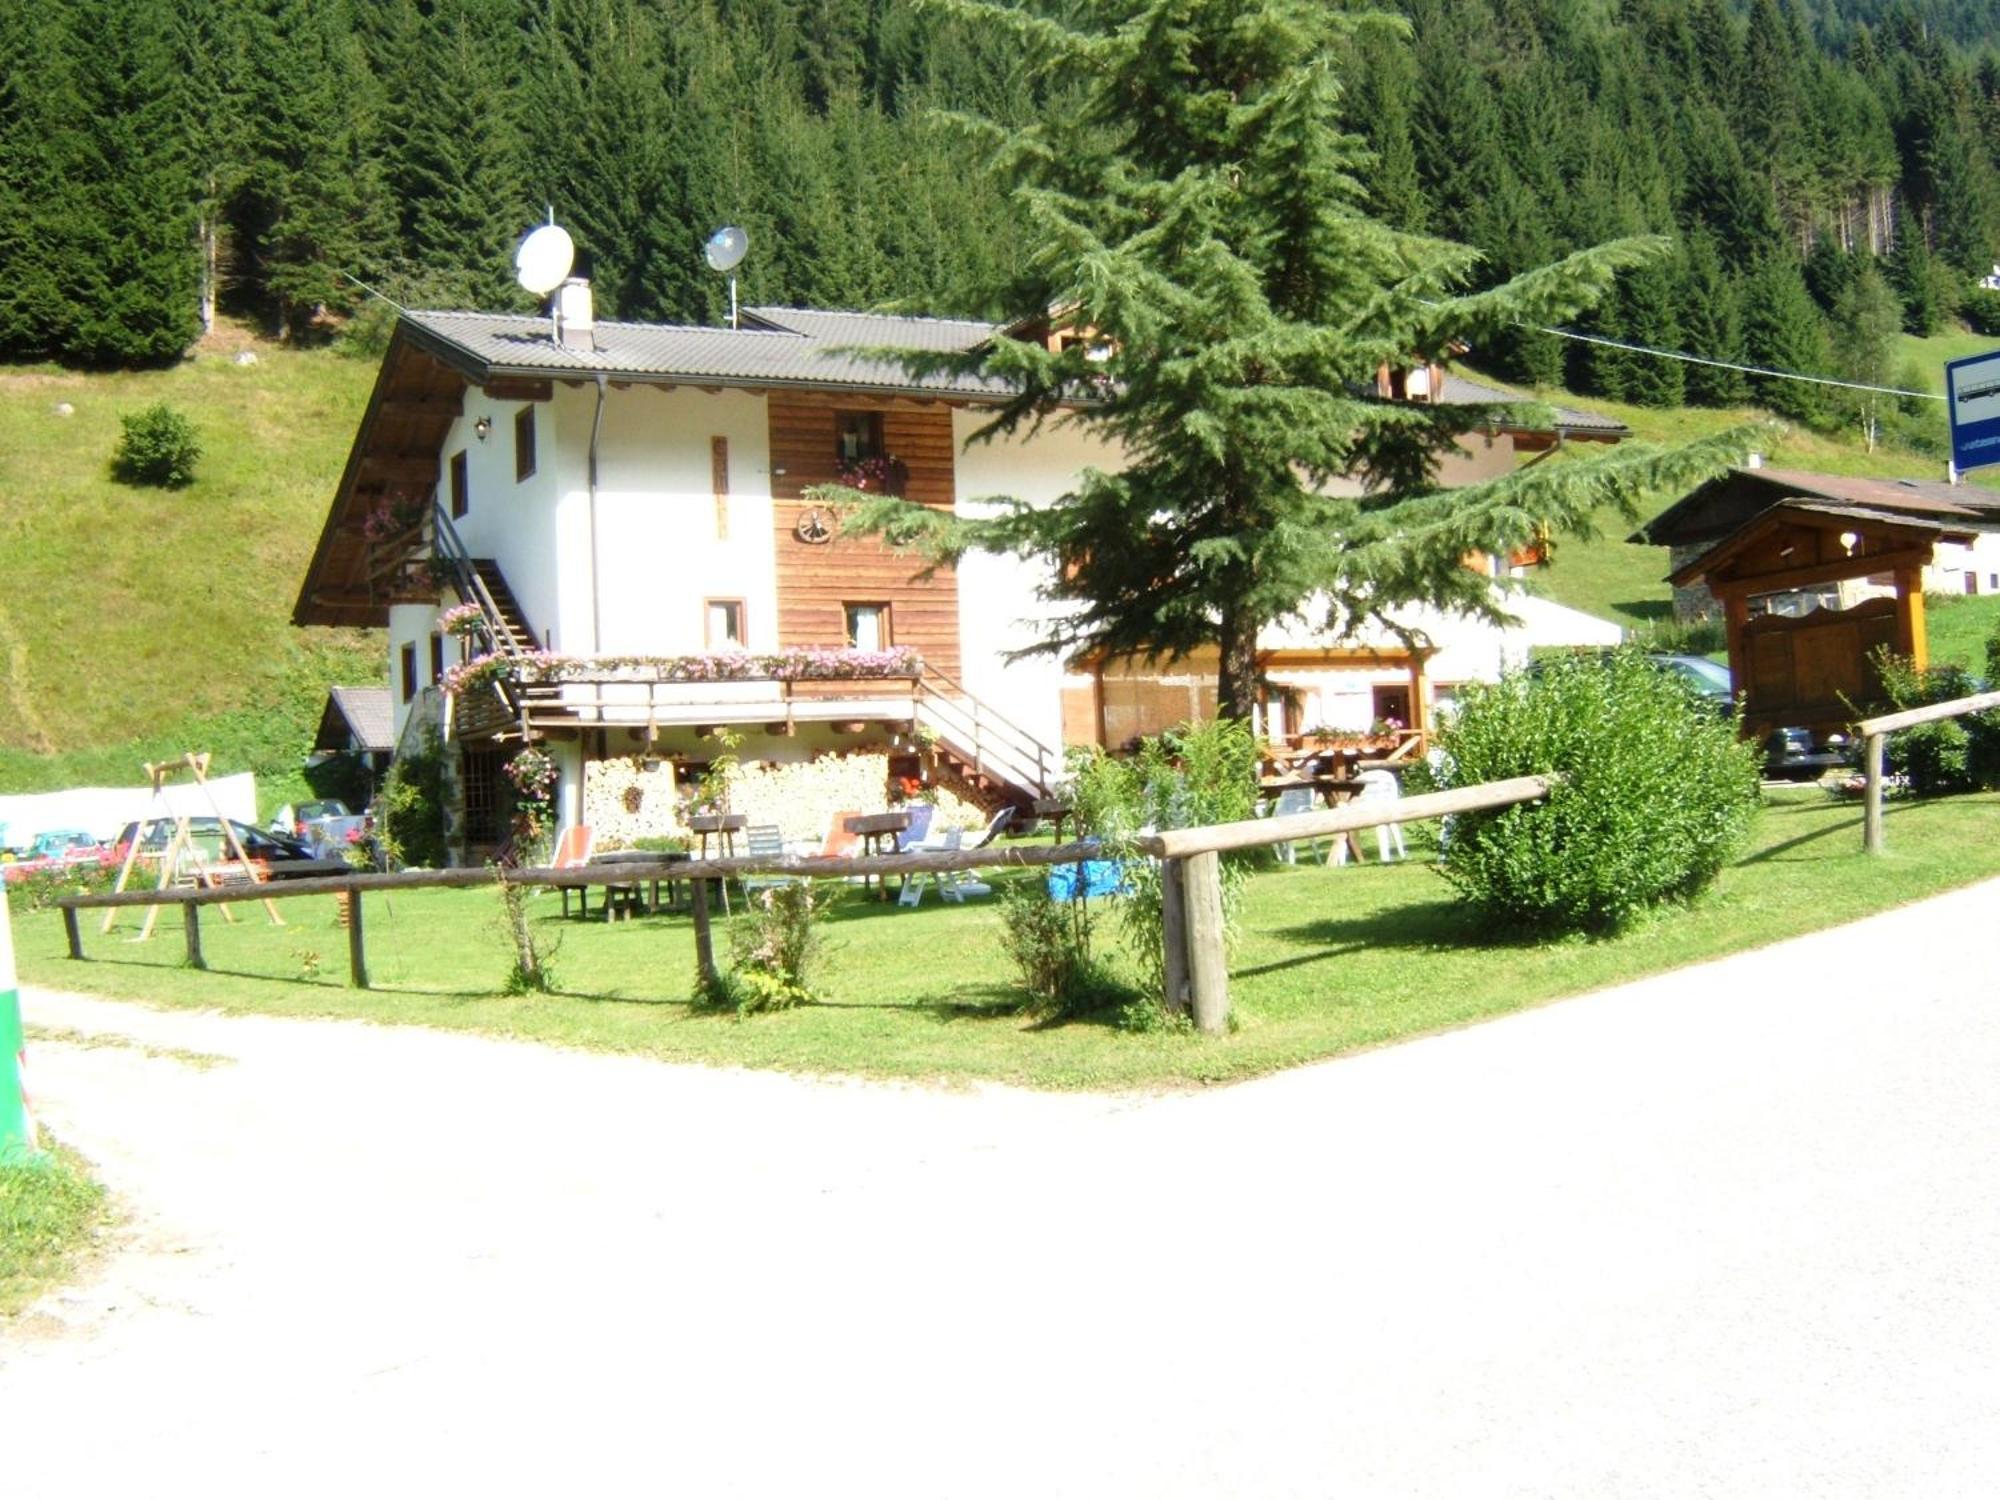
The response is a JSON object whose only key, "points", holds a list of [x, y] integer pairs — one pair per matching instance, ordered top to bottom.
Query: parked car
{"points": [[1793, 754], [70, 844], [276, 854]]}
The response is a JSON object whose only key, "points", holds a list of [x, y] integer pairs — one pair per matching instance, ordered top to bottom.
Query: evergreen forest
{"points": [[1828, 171]]}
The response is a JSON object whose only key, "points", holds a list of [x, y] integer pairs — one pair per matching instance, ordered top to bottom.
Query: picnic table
{"points": [[878, 833], [628, 896]]}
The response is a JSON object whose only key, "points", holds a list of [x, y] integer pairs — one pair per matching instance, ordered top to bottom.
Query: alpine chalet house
{"points": [[595, 537]]}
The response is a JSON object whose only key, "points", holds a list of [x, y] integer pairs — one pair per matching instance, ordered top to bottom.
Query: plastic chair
{"points": [[1382, 786], [1293, 800], [910, 838], [765, 841], [573, 853]]}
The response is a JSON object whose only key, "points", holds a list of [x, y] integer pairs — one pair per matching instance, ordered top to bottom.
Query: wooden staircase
{"points": [[512, 635]]}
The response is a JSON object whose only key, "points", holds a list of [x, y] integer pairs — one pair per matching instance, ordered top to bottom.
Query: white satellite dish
{"points": [[726, 248], [543, 262]]}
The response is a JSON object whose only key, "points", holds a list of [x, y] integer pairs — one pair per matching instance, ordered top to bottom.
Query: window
{"points": [[860, 436], [524, 443], [461, 490], [724, 625], [867, 626], [437, 659], [409, 673], [479, 780]]}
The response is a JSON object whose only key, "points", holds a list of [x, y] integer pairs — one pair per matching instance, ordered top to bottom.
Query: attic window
{"points": [[860, 436]]}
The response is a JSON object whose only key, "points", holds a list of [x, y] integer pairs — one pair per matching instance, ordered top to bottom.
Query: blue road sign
{"points": [[1972, 399]]}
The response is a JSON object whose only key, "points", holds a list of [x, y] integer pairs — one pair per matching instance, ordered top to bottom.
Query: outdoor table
{"points": [[1055, 811], [723, 828], [878, 836], [613, 887]]}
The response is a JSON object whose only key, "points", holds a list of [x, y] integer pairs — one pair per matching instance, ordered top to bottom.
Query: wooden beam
{"points": [[518, 388], [425, 406], [411, 469], [1858, 566], [1910, 616], [1909, 717]]}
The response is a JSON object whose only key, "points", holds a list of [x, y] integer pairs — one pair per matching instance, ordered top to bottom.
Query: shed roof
{"points": [[1732, 500], [365, 714]]}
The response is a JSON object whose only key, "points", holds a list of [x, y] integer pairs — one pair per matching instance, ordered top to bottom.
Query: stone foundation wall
{"points": [[1695, 602]]}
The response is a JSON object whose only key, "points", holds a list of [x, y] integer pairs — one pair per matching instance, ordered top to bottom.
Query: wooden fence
{"points": [[1875, 733], [1191, 882]]}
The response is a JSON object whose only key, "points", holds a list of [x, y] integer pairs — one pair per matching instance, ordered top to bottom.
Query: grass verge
{"points": [[1329, 961], [48, 1212]]}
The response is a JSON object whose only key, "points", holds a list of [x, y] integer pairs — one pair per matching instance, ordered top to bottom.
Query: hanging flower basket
{"points": [[463, 621]]}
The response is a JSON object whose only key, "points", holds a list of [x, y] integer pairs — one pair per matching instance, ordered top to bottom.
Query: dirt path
{"points": [[1726, 1232]]}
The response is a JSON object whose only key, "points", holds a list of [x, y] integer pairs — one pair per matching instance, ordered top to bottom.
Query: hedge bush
{"points": [[158, 446], [1947, 755], [1658, 793]]}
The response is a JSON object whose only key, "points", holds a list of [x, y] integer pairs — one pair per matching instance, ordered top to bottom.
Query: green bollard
{"points": [[18, 1144]]}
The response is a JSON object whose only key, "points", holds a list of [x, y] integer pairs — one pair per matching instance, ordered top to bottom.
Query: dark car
{"points": [[279, 855]]}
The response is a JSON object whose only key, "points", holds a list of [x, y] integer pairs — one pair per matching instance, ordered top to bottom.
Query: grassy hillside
{"points": [[139, 622]]}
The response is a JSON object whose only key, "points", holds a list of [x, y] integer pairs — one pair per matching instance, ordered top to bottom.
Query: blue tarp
{"points": [[1101, 877]]}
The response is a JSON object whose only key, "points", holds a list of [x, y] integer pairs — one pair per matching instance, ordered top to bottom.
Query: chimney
{"points": [[576, 324], [1754, 461]]}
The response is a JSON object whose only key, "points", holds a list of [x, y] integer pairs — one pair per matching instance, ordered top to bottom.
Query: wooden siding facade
{"points": [[816, 580]]}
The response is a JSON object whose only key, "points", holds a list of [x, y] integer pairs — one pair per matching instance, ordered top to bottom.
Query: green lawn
{"points": [[1931, 355], [1958, 626], [1330, 960], [48, 1213]]}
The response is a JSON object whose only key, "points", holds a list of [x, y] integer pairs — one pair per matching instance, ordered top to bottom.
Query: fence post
{"points": [[1871, 816], [191, 922], [73, 931], [1173, 935], [704, 944], [357, 952], [1208, 968], [18, 1142]]}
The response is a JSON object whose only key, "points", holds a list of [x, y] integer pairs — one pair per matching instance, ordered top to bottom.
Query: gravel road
{"points": [[1727, 1232]]}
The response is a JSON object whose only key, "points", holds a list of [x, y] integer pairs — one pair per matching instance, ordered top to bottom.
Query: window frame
{"points": [[874, 440], [524, 443], [460, 483], [885, 615], [742, 622], [407, 663]]}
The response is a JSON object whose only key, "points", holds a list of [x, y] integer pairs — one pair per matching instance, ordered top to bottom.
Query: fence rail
{"points": [[1875, 733], [1191, 881]]}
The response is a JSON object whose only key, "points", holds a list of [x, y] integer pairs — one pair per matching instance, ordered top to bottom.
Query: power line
{"points": [[1723, 364]]}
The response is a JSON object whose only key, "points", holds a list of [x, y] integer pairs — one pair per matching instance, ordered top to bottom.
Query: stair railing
{"points": [[468, 585], [970, 727]]}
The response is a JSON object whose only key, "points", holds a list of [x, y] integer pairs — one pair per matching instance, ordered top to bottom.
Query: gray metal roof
{"points": [[878, 330], [502, 343], [795, 346], [1458, 391], [370, 716]]}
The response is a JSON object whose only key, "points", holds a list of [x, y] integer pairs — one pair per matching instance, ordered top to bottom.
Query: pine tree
{"points": [[1198, 222], [129, 257], [1914, 275], [1649, 310], [1712, 327], [1782, 330], [1862, 334]]}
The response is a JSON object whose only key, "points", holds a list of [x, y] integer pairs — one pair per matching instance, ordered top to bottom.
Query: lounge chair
{"points": [[765, 841], [953, 885]]}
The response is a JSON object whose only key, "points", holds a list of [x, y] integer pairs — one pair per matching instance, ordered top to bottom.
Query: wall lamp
{"points": [[481, 427]]}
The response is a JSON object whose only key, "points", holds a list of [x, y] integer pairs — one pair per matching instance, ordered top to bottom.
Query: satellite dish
{"points": [[726, 248], [543, 262]]}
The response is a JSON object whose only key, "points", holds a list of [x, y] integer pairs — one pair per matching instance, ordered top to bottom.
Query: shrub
{"points": [[1980, 307], [158, 446], [1948, 755], [1187, 777], [1658, 792], [409, 823], [1049, 942], [773, 945], [532, 972]]}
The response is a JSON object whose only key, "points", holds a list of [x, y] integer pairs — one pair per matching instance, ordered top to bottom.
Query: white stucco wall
{"points": [[511, 521], [658, 554], [1952, 561], [998, 607], [410, 624]]}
